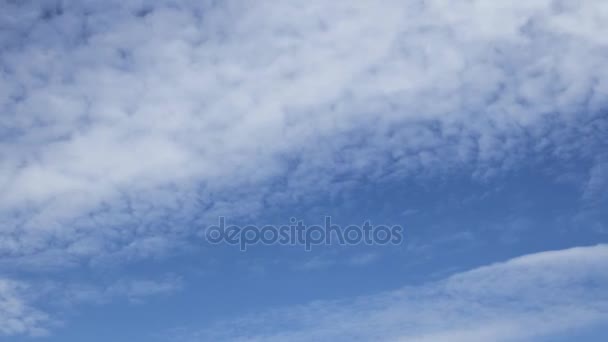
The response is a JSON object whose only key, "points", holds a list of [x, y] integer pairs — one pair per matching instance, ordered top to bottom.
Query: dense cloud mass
{"points": [[111, 109], [119, 114]]}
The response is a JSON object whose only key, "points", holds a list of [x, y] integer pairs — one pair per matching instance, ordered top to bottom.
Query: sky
{"points": [[129, 127]]}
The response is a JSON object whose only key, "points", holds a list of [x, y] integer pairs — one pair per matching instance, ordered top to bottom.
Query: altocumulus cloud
{"points": [[124, 122]]}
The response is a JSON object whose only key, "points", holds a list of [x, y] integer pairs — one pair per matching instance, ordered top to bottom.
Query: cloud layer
{"points": [[122, 113], [127, 125]]}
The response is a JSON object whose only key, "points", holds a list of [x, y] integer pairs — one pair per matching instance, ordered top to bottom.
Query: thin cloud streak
{"points": [[517, 300]]}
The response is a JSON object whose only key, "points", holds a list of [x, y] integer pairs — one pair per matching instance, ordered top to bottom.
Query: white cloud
{"points": [[120, 116], [518, 300], [25, 308], [17, 316]]}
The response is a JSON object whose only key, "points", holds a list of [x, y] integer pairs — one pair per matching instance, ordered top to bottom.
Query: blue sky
{"points": [[128, 127]]}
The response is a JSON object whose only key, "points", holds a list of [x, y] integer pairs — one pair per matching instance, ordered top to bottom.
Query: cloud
{"points": [[122, 114], [127, 125], [597, 183], [325, 261], [134, 289], [522, 299], [25, 308], [17, 316]]}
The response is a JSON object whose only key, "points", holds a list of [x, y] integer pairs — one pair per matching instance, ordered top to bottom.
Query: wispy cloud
{"points": [[521, 299], [25, 308], [17, 316]]}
